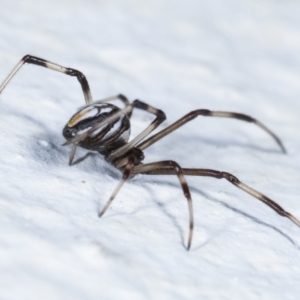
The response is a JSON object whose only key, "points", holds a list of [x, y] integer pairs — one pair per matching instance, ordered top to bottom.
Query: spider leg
{"points": [[29, 59], [120, 97], [207, 113], [160, 117], [72, 154], [175, 169], [126, 174], [233, 180]]}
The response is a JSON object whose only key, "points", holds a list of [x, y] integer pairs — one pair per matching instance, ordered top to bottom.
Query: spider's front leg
{"points": [[29, 59]]}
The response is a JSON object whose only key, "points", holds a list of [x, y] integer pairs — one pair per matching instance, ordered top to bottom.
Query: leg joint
{"points": [[229, 177]]}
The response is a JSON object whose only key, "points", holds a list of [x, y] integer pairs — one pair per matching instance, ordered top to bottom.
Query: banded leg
{"points": [[29, 59], [120, 97], [207, 113], [160, 117], [175, 169], [126, 174], [229, 177]]}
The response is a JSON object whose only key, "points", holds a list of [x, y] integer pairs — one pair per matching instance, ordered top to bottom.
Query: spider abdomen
{"points": [[108, 136]]}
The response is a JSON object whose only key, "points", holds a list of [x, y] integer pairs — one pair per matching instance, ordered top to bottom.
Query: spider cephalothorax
{"points": [[105, 128]]}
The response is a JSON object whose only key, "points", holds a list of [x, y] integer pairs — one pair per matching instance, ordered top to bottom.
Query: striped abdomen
{"points": [[104, 139]]}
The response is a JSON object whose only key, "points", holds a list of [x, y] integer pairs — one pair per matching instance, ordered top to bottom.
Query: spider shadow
{"points": [[50, 151], [53, 152], [84, 157], [222, 203], [159, 204], [162, 207]]}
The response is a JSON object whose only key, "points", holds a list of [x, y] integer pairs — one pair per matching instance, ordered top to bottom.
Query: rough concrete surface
{"points": [[178, 56]]}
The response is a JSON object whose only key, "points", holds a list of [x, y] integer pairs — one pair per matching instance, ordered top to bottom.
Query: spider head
{"points": [[107, 137]]}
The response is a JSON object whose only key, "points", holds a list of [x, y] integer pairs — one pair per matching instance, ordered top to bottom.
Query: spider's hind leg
{"points": [[207, 113], [175, 170], [126, 174], [222, 175]]}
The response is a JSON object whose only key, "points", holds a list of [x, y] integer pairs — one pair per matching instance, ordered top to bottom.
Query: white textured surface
{"points": [[179, 56]]}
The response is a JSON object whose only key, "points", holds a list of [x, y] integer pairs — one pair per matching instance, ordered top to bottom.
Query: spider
{"points": [[105, 128]]}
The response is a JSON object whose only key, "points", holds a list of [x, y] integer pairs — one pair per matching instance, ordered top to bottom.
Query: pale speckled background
{"points": [[178, 56]]}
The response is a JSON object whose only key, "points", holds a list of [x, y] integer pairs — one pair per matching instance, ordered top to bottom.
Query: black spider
{"points": [[105, 128]]}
